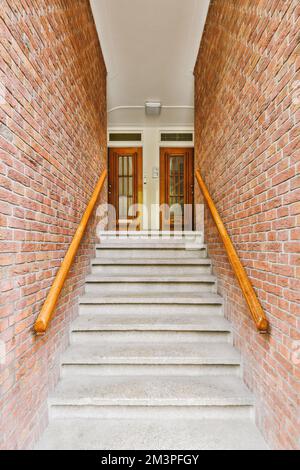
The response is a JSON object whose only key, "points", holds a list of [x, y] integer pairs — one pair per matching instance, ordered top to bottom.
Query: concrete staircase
{"points": [[151, 363]]}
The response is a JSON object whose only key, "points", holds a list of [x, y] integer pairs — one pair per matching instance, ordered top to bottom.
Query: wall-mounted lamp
{"points": [[153, 108]]}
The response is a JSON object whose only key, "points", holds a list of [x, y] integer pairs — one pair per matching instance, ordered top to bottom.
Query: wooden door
{"points": [[125, 187], [177, 188]]}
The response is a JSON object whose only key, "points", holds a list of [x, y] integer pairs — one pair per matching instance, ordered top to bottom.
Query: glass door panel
{"points": [[125, 186], [176, 188]]}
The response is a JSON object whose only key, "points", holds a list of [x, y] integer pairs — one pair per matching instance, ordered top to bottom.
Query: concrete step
{"points": [[152, 234], [153, 240], [141, 244], [151, 250], [156, 266], [97, 284], [147, 302], [161, 327], [153, 353], [145, 370], [148, 397], [156, 434]]}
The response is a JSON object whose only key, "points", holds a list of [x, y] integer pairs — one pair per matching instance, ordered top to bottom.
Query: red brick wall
{"points": [[247, 147], [53, 149]]}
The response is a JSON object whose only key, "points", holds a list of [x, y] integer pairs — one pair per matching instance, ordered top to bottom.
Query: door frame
{"points": [[188, 178], [113, 183]]}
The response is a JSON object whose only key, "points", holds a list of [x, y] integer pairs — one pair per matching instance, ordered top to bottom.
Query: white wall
{"points": [[150, 49], [151, 149], [151, 184]]}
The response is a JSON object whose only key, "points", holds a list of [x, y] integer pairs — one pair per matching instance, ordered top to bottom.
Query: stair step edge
{"points": [[153, 246], [154, 261], [149, 279], [130, 299], [142, 322], [149, 353], [163, 390], [176, 402]]}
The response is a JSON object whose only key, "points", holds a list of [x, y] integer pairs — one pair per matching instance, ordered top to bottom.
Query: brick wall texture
{"points": [[247, 147], [53, 149]]}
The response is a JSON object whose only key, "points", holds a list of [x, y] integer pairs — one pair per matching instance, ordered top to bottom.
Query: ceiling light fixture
{"points": [[153, 108]]}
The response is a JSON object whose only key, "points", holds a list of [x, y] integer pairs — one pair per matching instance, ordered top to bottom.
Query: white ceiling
{"points": [[150, 48]]}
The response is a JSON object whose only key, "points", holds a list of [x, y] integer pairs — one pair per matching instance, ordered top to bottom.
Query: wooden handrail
{"points": [[255, 307], [45, 315]]}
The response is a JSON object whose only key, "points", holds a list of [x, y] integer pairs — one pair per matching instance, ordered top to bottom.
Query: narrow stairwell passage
{"points": [[151, 363]]}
